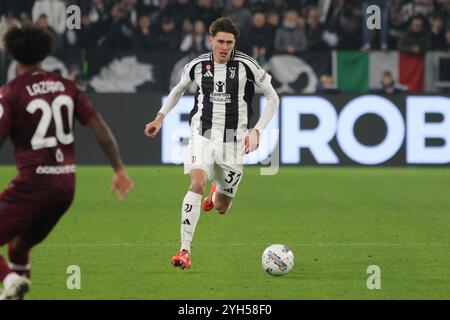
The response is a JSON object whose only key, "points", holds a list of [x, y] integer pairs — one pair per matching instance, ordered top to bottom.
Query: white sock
{"points": [[213, 197], [190, 213], [18, 267]]}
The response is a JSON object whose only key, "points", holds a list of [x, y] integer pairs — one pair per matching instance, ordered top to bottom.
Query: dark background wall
{"points": [[127, 115]]}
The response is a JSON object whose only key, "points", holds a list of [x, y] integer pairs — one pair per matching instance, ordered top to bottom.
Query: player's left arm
{"points": [[263, 81], [86, 114], [105, 138]]}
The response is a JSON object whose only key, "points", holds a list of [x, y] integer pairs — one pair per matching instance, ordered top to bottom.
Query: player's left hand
{"points": [[251, 141], [121, 183]]}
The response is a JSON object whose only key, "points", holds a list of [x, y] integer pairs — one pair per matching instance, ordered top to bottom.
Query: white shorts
{"points": [[221, 161]]}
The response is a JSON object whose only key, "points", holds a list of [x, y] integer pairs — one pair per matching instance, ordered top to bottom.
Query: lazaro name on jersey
{"points": [[44, 87]]}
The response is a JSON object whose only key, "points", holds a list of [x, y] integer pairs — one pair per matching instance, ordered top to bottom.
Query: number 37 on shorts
{"points": [[221, 163]]}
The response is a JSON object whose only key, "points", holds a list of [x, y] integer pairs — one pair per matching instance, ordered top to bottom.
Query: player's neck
{"points": [[216, 59], [220, 61], [21, 68]]}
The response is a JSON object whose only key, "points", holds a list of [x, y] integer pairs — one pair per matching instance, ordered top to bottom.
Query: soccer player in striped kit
{"points": [[219, 120]]}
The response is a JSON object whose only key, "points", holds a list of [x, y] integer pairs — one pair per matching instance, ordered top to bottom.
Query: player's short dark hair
{"points": [[224, 25], [29, 44]]}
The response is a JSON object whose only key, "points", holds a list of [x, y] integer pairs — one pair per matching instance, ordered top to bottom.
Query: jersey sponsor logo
{"points": [[232, 72], [263, 77], [219, 86], [220, 97], [56, 170], [186, 221]]}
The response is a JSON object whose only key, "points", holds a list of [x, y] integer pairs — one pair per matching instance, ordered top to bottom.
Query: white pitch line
{"points": [[401, 245]]}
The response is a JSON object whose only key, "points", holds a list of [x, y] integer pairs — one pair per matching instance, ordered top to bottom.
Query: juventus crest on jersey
{"points": [[225, 91]]}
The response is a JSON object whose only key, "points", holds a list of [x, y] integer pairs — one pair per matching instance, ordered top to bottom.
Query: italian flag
{"points": [[360, 71]]}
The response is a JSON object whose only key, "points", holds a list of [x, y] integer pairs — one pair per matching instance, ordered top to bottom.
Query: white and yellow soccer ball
{"points": [[277, 260]]}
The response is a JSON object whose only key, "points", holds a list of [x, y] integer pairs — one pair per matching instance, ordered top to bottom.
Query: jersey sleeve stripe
{"points": [[245, 57]]}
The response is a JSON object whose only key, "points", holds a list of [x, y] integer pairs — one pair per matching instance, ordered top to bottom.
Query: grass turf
{"points": [[337, 221]]}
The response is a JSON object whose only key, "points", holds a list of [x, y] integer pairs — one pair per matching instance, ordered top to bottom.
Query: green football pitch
{"points": [[337, 221]]}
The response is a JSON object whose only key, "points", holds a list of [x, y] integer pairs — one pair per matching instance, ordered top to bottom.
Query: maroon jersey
{"points": [[37, 112]]}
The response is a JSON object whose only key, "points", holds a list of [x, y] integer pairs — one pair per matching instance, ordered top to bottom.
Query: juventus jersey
{"points": [[222, 106]]}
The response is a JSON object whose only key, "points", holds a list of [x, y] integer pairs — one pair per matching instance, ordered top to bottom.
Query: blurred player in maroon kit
{"points": [[37, 111]]}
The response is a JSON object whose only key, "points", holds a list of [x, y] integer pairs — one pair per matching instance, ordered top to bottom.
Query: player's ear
{"points": [[210, 39]]}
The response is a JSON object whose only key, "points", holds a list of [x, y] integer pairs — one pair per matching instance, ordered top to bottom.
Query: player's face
{"points": [[222, 45]]}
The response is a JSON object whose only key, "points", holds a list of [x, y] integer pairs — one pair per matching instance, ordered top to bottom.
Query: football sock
{"points": [[213, 197], [190, 212], [19, 261], [4, 269]]}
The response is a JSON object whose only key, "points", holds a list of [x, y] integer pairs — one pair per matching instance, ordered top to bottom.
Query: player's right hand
{"points": [[152, 129], [121, 183]]}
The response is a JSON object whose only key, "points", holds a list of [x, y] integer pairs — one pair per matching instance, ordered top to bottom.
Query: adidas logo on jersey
{"points": [[208, 73], [186, 221]]}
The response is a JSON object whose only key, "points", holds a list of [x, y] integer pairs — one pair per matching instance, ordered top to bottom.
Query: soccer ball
{"points": [[277, 260]]}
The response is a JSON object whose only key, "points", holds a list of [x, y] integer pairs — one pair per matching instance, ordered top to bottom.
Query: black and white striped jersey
{"points": [[222, 106]]}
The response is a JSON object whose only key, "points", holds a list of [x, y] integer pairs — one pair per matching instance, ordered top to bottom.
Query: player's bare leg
{"points": [[217, 200], [222, 203], [190, 213]]}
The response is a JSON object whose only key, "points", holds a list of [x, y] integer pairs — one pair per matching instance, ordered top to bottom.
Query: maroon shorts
{"points": [[31, 218]]}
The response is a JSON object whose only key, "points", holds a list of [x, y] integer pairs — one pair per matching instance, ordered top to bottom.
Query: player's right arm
{"points": [[5, 120], [152, 128]]}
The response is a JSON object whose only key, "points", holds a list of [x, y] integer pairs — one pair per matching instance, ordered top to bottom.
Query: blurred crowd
{"points": [[267, 26]]}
